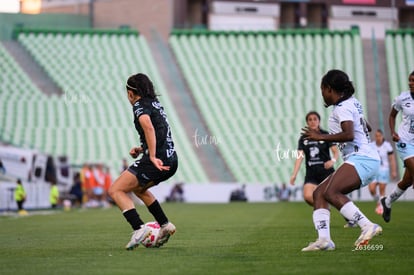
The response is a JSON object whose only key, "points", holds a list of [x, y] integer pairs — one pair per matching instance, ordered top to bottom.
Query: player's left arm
{"points": [[150, 138]]}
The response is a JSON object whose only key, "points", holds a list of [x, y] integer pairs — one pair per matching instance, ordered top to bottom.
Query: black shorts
{"points": [[147, 173], [317, 175]]}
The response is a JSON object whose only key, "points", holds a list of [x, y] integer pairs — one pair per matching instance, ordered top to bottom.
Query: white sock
{"points": [[395, 194], [352, 213], [321, 220]]}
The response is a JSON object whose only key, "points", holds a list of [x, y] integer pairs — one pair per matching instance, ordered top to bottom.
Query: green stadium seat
{"points": [[254, 91], [91, 121]]}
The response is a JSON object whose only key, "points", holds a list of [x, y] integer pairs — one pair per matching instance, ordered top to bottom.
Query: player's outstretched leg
{"points": [[166, 231]]}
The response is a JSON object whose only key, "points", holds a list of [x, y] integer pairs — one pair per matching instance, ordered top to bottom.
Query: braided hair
{"points": [[141, 85]]}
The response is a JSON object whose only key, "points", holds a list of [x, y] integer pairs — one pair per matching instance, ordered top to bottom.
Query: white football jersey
{"points": [[405, 103], [351, 110], [384, 150]]}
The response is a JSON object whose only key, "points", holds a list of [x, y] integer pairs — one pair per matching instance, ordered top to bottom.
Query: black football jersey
{"points": [[153, 108], [316, 152]]}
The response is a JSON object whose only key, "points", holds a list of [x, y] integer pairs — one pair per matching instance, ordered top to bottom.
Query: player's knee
{"points": [[111, 191], [317, 194], [329, 195], [308, 198]]}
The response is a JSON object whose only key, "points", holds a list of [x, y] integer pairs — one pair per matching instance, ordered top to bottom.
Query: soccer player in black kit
{"points": [[156, 163], [319, 164]]}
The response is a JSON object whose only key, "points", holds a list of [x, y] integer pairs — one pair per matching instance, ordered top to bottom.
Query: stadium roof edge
{"points": [[122, 31], [353, 31]]}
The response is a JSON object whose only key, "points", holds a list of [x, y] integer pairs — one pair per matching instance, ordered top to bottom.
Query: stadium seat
{"points": [[254, 91], [91, 121]]}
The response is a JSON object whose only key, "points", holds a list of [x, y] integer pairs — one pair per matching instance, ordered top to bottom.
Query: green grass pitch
{"points": [[235, 238]]}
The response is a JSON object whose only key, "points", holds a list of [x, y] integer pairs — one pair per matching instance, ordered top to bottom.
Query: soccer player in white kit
{"points": [[348, 128], [404, 143], [387, 168]]}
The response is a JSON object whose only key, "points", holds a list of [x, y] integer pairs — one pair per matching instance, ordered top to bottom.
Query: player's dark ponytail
{"points": [[339, 82], [141, 85]]}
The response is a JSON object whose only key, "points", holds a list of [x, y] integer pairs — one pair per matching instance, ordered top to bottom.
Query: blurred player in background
{"points": [[349, 129], [404, 143], [387, 159], [158, 161], [319, 164], [54, 195], [20, 197]]}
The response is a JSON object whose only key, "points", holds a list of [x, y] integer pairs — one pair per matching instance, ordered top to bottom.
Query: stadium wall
{"points": [[146, 16], [9, 21]]}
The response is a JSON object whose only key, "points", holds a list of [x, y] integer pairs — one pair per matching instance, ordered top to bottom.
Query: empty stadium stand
{"points": [[400, 59], [255, 88], [92, 120]]}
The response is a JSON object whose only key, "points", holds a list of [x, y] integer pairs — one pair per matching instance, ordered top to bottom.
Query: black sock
{"points": [[156, 210], [133, 218]]}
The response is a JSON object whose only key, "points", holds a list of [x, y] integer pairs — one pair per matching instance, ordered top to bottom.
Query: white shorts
{"points": [[405, 150], [366, 167]]}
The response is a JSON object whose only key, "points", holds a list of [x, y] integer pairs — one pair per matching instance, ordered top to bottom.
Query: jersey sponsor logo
{"points": [[139, 111], [310, 142]]}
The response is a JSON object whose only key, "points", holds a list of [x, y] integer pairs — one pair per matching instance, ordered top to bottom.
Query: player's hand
{"points": [[310, 134], [395, 137], [135, 151], [159, 164], [329, 164], [292, 180]]}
